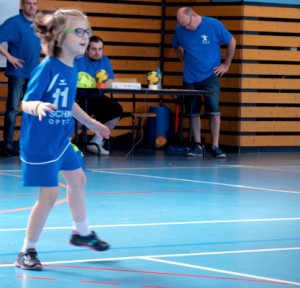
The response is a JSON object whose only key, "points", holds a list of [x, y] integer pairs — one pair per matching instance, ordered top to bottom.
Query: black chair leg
{"points": [[203, 148]]}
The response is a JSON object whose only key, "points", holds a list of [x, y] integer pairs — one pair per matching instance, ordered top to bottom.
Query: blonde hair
{"points": [[51, 28]]}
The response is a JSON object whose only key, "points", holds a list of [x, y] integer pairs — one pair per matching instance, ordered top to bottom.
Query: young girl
{"points": [[47, 125]]}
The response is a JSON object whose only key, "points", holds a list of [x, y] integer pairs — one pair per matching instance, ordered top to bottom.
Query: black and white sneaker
{"points": [[10, 150], [196, 151], [217, 153], [91, 241], [28, 260]]}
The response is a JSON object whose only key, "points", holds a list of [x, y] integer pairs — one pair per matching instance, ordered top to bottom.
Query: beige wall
{"points": [[260, 100]]}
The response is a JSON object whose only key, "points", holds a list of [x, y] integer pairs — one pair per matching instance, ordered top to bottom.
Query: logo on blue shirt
{"points": [[205, 40]]}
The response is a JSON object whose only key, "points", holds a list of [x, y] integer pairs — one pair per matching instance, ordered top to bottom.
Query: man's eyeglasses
{"points": [[189, 23], [80, 32]]}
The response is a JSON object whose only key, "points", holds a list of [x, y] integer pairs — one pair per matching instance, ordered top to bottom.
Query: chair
{"points": [[141, 116], [136, 127]]}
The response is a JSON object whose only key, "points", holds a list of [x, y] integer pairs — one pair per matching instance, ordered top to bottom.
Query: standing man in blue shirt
{"points": [[197, 41], [22, 56], [105, 109]]}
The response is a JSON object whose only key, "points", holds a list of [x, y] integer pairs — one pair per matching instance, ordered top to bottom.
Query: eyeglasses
{"points": [[189, 23], [80, 32]]}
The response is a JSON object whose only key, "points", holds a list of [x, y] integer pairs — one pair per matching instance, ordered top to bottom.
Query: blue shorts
{"points": [[211, 99], [46, 175]]}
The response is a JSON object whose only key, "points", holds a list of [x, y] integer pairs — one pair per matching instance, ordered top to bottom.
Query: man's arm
{"points": [[4, 52], [180, 52], [230, 52], [17, 63], [224, 67]]}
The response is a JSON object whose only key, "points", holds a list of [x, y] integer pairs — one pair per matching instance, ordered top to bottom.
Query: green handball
{"points": [[85, 80]]}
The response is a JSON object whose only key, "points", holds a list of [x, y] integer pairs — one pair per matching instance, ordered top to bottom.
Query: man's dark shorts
{"points": [[211, 99]]}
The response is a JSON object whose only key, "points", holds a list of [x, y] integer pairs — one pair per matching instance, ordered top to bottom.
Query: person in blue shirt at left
{"points": [[22, 54], [105, 109]]}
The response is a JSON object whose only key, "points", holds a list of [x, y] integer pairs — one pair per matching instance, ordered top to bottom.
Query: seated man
{"points": [[105, 109]]}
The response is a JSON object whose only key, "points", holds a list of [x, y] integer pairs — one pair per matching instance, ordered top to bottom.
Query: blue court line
{"points": [[200, 222], [207, 243], [169, 245]]}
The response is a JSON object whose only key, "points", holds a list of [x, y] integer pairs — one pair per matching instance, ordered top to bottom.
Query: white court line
{"points": [[18, 170], [199, 181], [202, 182], [163, 224], [165, 256], [154, 258], [279, 281]]}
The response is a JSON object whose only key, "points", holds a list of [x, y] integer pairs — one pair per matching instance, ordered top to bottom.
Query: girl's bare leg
{"points": [[76, 198], [40, 212]]}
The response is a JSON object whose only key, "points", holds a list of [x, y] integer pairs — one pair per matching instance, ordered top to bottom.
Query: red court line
{"points": [[19, 195], [29, 208], [158, 273], [37, 278], [101, 283], [155, 286]]}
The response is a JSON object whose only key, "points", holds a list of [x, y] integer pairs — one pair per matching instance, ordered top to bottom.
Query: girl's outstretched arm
{"points": [[99, 129]]}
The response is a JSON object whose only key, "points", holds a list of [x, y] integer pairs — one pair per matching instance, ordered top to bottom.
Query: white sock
{"points": [[98, 140], [82, 228], [28, 244]]}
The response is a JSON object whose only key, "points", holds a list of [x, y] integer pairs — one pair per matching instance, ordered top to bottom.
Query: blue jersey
{"points": [[23, 44], [202, 51], [84, 64], [44, 141]]}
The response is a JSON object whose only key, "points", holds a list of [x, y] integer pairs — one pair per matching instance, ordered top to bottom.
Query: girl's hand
{"points": [[44, 107], [99, 129]]}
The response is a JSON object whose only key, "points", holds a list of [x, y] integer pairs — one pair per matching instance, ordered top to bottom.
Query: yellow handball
{"points": [[101, 76], [152, 78], [85, 80]]}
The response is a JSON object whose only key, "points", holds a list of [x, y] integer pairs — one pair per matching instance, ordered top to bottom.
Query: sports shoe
{"points": [[94, 149], [10, 150], [177, 150], [196, 151], [217, 153], [91, 241], [28, 260]]}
